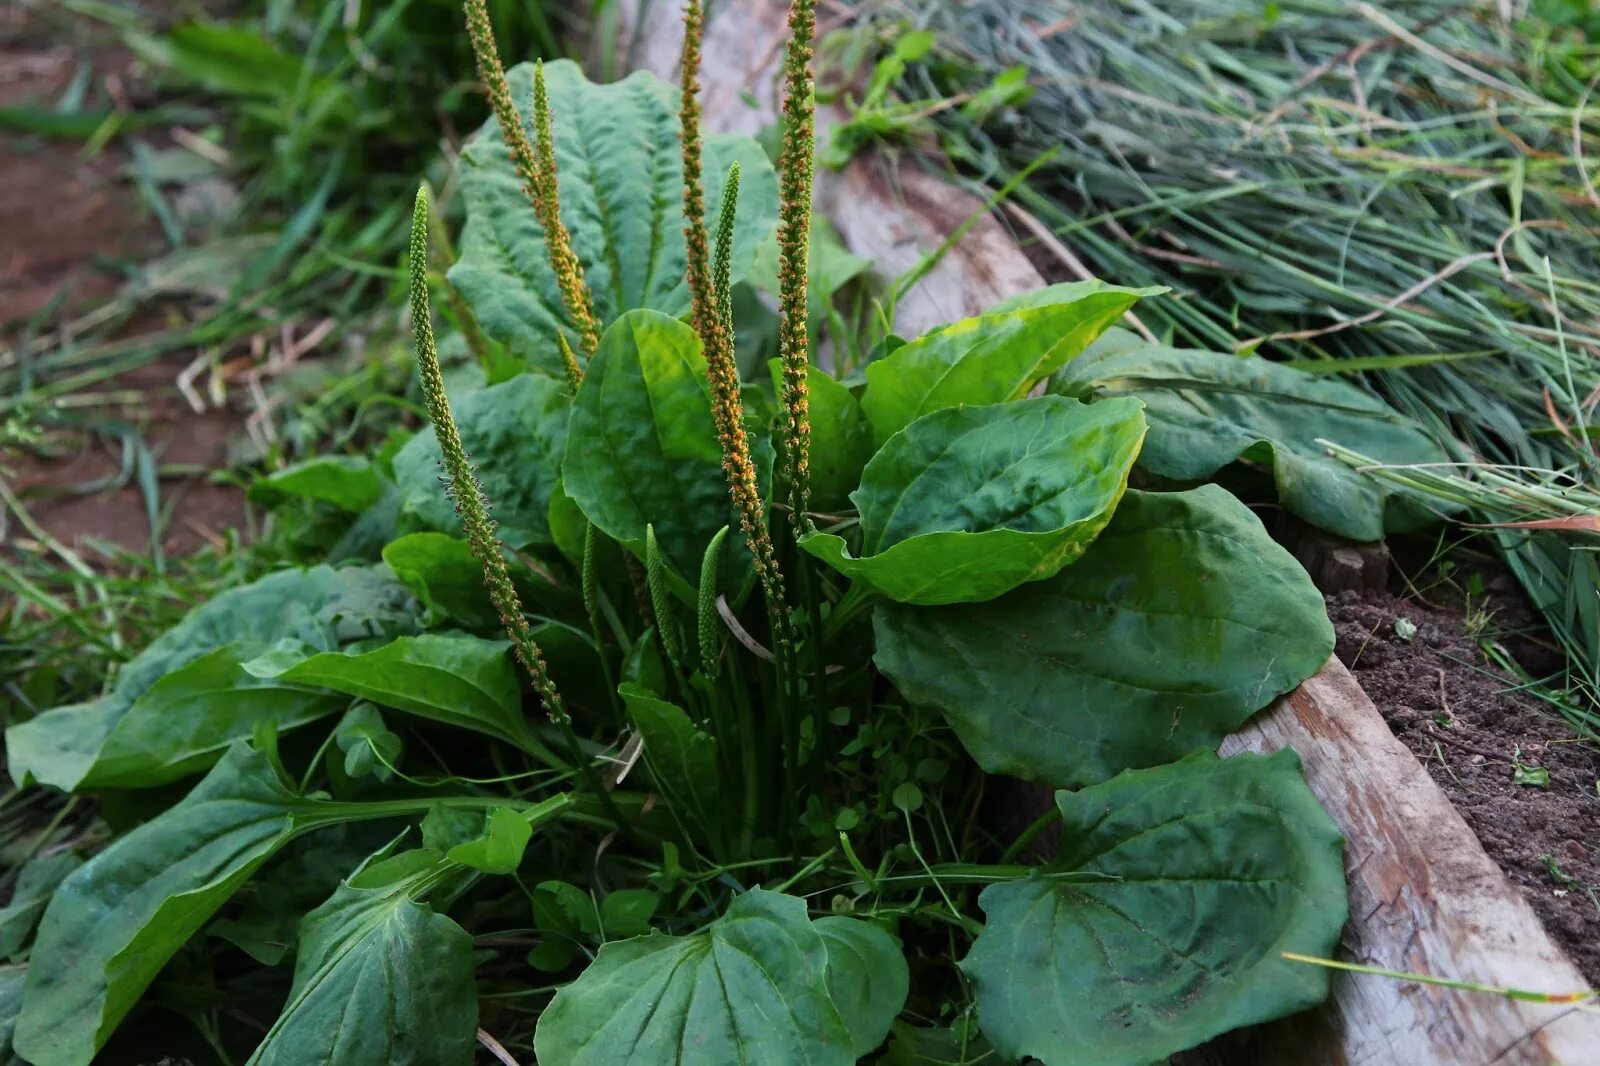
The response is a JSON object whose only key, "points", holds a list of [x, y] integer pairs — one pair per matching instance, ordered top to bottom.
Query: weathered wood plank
{"points": [[1424, 896]]}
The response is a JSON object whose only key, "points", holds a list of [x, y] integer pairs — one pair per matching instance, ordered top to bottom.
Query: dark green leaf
{"points": [[621, 196], [992, 358], [1207, 410], [515, 433], [841, 439], [642, 447], [347, 482], [967, 503], [440, 570], [322, 607], [1181, 621], [462, 681], [186, 720], [682, 758], [35, 882], [1162, 920], [115, 922], [867, 978], [12, 979], [380, 980], [750, 987]]}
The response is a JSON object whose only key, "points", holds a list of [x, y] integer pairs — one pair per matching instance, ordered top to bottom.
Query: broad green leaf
{"points": [[621, 175], [992, 358], [1207, 410], [515, 433], [841, 439], [642, 446], [347, 482], [967, 503], [568, 526], [440, 570], [322, 606], [1181, 621], [462, 681], [185, 721], [682, 757], [499, 850], [30, 893], [1162, 920], [115, 922], [867, 978], [380, 980], [749, 988]]}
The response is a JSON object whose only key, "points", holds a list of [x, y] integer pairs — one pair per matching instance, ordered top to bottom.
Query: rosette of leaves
{"points": [[724, 812]]}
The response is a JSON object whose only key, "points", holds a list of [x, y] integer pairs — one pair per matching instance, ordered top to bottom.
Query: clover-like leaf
{"points": [[621, 175], [994, 357], [1207, 410], [516, 433], [642, 446], [967, 503], [1182, 620], [1162, 919], [751, 988]]}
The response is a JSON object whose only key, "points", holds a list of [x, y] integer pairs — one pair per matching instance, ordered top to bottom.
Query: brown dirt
{"points": [[63, 215], [1454, 710]]}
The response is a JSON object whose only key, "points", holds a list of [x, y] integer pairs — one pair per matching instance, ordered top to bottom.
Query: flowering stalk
{"points": [[795, 166], [538, 181], [557, 239], [701, 298], [713, 320], [728, 408], [469, 500]]}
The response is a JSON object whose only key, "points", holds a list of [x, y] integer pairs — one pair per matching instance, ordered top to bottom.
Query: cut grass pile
{"points": [[1404, 191]]}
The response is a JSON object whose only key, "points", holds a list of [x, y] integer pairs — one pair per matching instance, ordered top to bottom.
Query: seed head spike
{"points": [[796, 162], [538, 176], [465, 490]]}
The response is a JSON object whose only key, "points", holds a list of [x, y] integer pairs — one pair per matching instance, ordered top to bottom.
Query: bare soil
{"points": [[65, 218], [1458, 713]]}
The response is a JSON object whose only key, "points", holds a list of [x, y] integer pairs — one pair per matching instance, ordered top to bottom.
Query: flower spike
{"points": [[796, 162], [538, 176], [701, 297], [464, 487]]}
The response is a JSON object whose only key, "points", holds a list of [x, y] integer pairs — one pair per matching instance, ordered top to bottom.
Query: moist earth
{"points": [[1461, 716]]}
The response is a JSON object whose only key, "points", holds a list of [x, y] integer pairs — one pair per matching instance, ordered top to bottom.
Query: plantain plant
{"points": [[705, 747]]}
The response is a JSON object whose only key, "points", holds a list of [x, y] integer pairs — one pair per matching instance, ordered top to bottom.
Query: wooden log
{"points": [[1424, 897]]}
